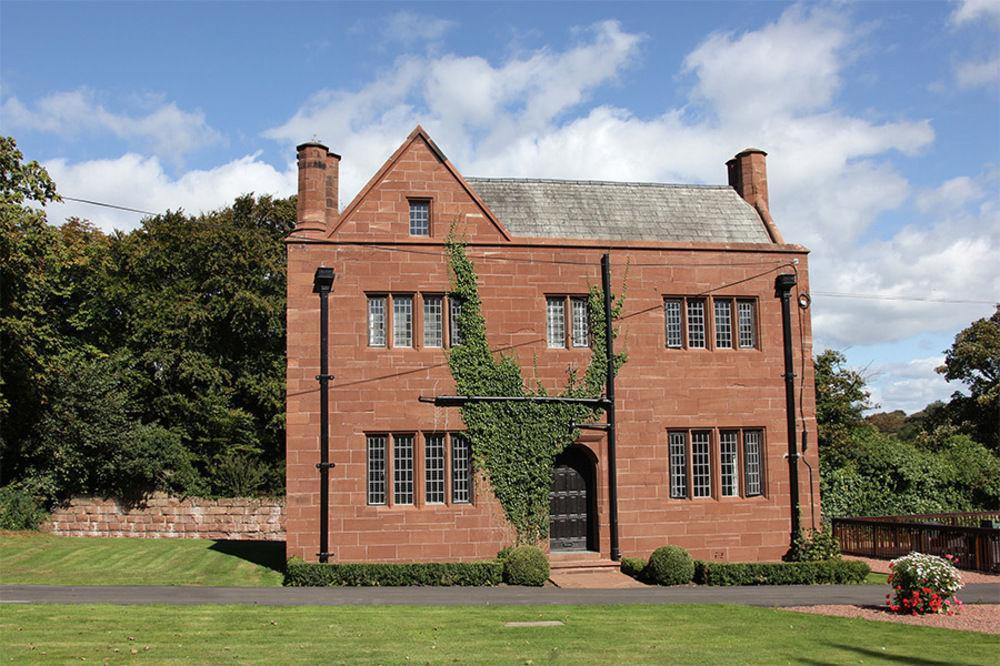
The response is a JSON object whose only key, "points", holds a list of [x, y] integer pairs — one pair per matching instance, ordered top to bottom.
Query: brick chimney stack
{"points": [[748, 176], [319, 184]]}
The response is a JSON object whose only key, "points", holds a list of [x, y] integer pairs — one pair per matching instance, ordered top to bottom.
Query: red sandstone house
{"points": [[702, 439]]}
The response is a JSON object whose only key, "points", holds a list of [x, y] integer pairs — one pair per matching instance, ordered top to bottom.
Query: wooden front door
{"points": [[568, 509]]}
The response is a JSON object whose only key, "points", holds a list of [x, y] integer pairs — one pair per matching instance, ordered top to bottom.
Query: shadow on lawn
{"points": [[270, 554], [885, 656]]}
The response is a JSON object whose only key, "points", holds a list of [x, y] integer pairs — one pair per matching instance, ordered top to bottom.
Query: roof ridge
{"points": [[695, 186]]}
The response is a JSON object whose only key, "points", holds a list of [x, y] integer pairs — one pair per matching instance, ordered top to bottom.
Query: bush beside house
{"points": [[303, 574]]}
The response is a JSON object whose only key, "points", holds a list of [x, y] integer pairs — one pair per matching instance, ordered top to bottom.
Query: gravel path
{"points": [[984, 618]]}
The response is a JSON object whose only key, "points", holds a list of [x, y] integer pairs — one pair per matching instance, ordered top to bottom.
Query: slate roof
{"points": [[601, 210]]}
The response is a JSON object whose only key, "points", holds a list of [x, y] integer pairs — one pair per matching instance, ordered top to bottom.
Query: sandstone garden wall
{"points": [[162, 516]]}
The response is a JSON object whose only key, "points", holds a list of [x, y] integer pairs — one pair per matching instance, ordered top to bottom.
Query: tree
{"points": [[202, 302], [176, 330], [974, 360], [841, 400], [890, 423]]}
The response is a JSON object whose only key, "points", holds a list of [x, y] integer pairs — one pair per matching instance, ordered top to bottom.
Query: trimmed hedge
{"points": [[525, 565], [634, 567], [828, 572], [303, 574]]}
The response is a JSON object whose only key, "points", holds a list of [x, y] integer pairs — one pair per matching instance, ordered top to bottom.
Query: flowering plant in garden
{"points": [[924, 584]]}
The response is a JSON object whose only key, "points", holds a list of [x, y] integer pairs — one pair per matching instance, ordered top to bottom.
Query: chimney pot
{"points": [[748, 176], [319, 180]]}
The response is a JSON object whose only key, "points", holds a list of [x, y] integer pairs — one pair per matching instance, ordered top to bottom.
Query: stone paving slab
{"points": [[593, 580], [789, 595]]}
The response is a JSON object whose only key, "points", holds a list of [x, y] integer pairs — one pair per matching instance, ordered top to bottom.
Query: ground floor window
{"points": [[715, 463], [424, 468]]}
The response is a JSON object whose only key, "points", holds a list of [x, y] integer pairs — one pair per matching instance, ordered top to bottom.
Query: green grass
{"points": [[44, 559], [877, 579], [471, 635]]}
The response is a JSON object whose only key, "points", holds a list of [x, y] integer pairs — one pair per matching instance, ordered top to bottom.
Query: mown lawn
{"points": [[44, 559], [471, 635]]}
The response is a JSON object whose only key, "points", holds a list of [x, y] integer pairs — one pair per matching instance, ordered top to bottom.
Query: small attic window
{"points": [[420, 217]]}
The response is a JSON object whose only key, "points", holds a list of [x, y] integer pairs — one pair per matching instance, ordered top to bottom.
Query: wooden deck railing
{"points": [[888, 537]]}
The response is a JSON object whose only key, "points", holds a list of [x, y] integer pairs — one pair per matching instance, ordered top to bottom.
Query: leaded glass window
{"points": [[420, 216], [555, 309], [454, 312], [672, 315], [376, 321], [402, 321], [433, 321], [581, 322], [696, 323], [723, 324], [747, 324], [677, 451], [727, 460], [752, 461], [701, 464], [376, 469], [402, 469], [434, 469], [461, 470]]}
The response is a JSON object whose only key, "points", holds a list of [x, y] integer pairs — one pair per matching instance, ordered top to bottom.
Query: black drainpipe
{"points": [[322, 285], [783, 285], [609, 350]]}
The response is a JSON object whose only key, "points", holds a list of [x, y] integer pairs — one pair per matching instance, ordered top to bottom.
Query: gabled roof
{"points": [[419, 133], [601, 210]]}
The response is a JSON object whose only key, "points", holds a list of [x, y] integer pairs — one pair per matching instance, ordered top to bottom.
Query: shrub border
{"points": [[824, 572], [307, 574]]}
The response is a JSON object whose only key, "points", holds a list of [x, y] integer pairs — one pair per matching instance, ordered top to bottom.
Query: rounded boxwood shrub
{"points": [[525, 565], [670, 565]]}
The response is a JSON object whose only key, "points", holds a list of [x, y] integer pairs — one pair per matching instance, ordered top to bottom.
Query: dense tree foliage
{"points": [[144, 360], [974, 360], [841, 400], [942, 458]]}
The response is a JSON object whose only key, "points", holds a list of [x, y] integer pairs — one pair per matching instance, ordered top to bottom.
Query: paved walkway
{"points": [[791, 595]]}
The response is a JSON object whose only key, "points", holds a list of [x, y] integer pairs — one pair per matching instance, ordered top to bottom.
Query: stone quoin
{"points": [[702, 437]]}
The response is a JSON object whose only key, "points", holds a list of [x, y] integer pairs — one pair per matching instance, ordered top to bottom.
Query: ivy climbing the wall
{"points": [[515, 444]]}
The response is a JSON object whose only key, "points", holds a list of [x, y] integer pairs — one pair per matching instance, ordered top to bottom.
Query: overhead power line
{"points": [[107, 205], [489, 255], [877, 297]]}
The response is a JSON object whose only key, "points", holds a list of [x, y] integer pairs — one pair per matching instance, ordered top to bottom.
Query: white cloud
{"points": [[969, 11], [409, 27], [786, 67], [978, 74], [469, 105], [166, 129], [832, 173], [140, 182], [951, 193], [910, 385]]}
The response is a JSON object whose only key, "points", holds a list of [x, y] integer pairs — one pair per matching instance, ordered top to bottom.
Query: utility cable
{"points": [[107, 205]]}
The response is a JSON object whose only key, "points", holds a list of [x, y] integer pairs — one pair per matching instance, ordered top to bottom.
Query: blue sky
{"points": [[882, 122]]}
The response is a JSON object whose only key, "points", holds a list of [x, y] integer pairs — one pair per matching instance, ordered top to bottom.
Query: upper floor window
{"points": [[420, 217], [454, 313], [393, 320], [433, 321], [567, 321], [718, 322]]}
